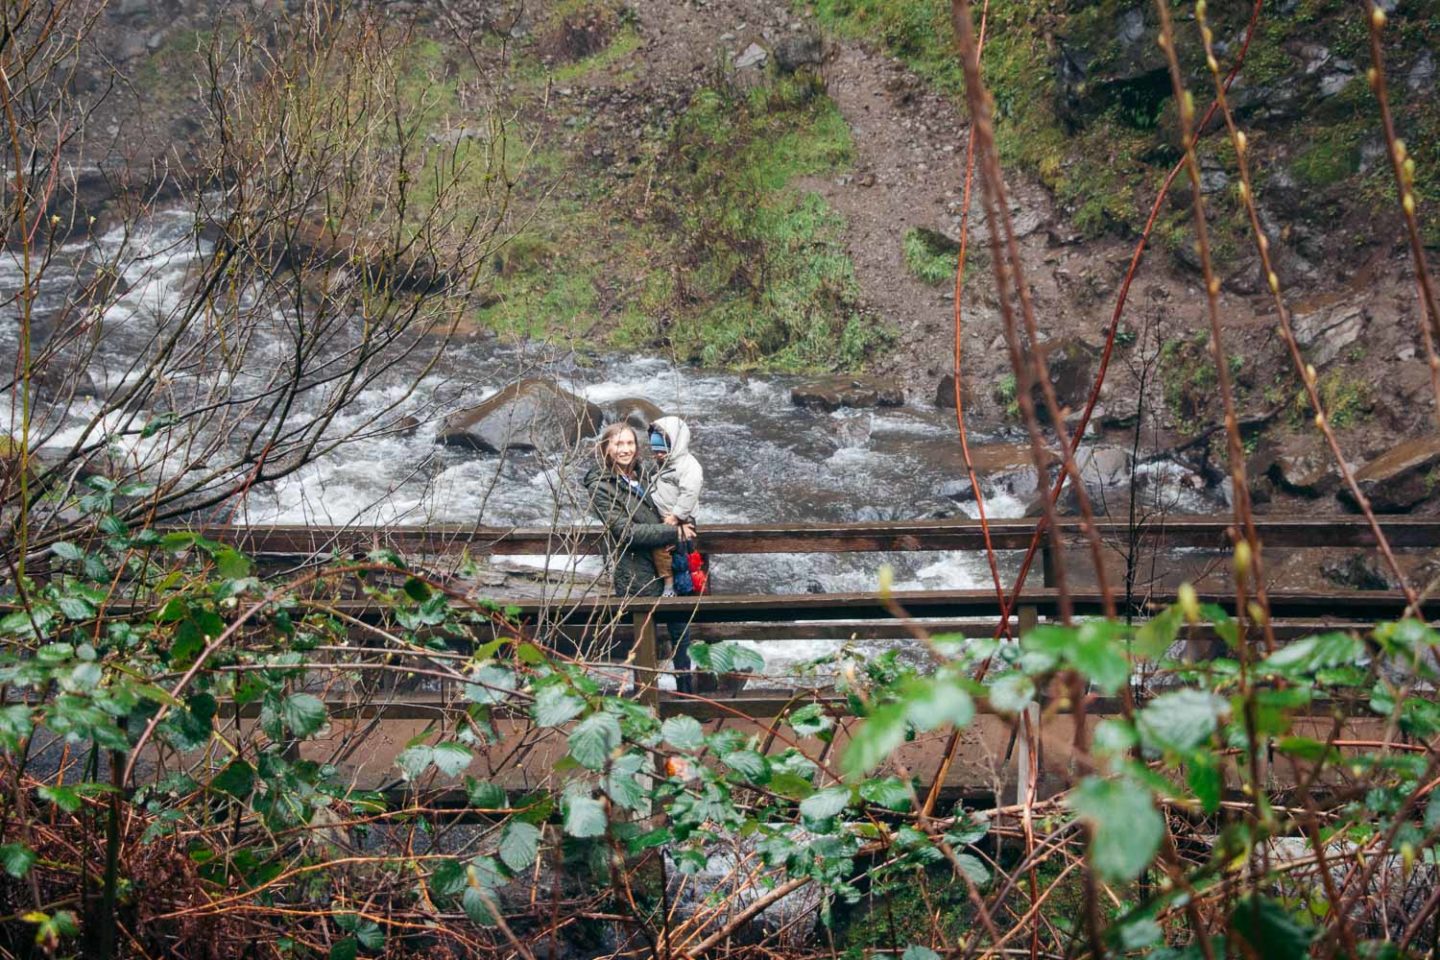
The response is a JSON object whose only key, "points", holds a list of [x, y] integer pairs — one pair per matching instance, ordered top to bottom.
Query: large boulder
{"points": [[1326, 333], [1071, 363], [945, 392], [832, 393], [636, 411], [531, 414], [1400, 477]]}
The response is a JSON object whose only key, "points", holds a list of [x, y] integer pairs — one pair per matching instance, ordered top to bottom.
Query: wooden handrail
{"points": [[907, 535]]}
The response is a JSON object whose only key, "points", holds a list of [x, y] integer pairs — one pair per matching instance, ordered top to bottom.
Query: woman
{"points": [[620, 499]]}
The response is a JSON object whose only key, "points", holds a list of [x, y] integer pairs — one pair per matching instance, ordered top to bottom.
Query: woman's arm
{"points": [[613, 508]]}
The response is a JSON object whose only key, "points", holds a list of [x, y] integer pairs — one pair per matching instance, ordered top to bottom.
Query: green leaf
{"points": [[113, 526], [67, 551], [231, 564], [417, 589], [76, 608], [1158, 634], [1314, 653], [726, 657], [490, 684], [1012, 693], [938, 701], [555, 705], [303, 713], [811, 720], [1180, 721], [15, 726], [189, 727], [683, 733], [594, 739], [875, 739], [451, 759], [414, 760], [748, 764], [237, 779], [1205, 780], [791, 786], [891, 793], [485, 796], [65, 798], [824, 804], [584, 816], [1126, 829], [519, 842], [17, 859], [973, 868], [447, 878], [476, 908], [1270, 930], [370, 935], [347, 949], [917, 952]]}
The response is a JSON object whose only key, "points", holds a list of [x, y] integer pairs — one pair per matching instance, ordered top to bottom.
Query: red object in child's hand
{"points": [[696, 561], [698, 579]]}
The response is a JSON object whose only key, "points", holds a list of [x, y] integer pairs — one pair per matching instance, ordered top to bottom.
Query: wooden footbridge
{"points": [[623, 631]]}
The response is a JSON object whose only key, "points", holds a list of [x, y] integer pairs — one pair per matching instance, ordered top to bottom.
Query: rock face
{"points": [[1325, 334], [1071, 364], [836, 392], [945, 392], [636, 411], [528, 415], [1400, 477]]}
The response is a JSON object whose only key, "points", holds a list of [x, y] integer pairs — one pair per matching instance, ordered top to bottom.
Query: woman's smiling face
{"points": [[621, 450]]}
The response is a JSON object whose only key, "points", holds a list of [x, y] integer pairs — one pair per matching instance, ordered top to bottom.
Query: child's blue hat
{"points": [[658, 443]]}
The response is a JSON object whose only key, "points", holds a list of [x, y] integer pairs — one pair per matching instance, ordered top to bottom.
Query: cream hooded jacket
{"points": [[677, 485]]}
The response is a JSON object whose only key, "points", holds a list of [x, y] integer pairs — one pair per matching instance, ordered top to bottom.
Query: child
{"points": [[676, 486]]}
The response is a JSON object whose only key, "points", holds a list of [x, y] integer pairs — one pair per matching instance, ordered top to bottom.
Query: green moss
{"points": [[1189, 382], [1347, 400]]}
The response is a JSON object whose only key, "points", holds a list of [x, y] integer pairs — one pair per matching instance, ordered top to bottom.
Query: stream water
{"points": [[765, 459]]}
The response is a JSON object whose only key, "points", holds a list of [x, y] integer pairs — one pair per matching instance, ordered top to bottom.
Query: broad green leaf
{"points": [[67, 551], [231, 564], [76, 608], [1314, 653], [490, 684], [1012, 693], [936, 702], [555, 705], [303, 713], [811, 720], [1181, 721], [15, 725], [189, 727], [683, 733], [594, 739], [875, 739], [451, 759], [415, 760], [748, 764], [237, 779], [1205, 780], [623, 782], [792, 786], [890, 793], [485, 796], [65, 798], [826, 803], [584, 816], [1126, 829], [519, 843], [17, 859], [973, 868], [447, 878], [476, 908], [1270, 930], [346, 949], [917, 952]]}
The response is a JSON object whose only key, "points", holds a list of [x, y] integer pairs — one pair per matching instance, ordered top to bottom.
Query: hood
{"points": [[678, 433]]}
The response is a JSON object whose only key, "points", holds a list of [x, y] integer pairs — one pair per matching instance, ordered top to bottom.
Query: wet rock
{"points": [[798, 50], [752, 56], [1422, 73], [1325, 334], [1071, 363], [836, 392], [945, 392], [636, 411], [529, 415], [1106, 472], [1309, 473], [1400, 478], [1356, 571]]}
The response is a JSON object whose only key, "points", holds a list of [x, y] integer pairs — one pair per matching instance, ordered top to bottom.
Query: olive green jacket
{"points": [[633, 528]]}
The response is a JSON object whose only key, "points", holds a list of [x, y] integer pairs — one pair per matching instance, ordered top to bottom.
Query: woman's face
{"points": [[621, 449]]}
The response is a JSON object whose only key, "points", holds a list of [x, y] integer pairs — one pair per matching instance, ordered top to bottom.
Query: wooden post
{"points": [[1047, 564], [647, 660], [1027, 729]]}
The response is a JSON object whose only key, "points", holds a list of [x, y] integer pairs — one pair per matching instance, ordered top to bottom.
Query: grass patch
{"points": [[930, 256], [1189, 381], [1347, 400]]}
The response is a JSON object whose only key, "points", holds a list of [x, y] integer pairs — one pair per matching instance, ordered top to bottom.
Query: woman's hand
{"points": [[671, 519], [687, 531]]}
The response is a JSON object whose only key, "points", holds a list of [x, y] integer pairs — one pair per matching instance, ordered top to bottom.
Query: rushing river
{"points": [[765, 460]]}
